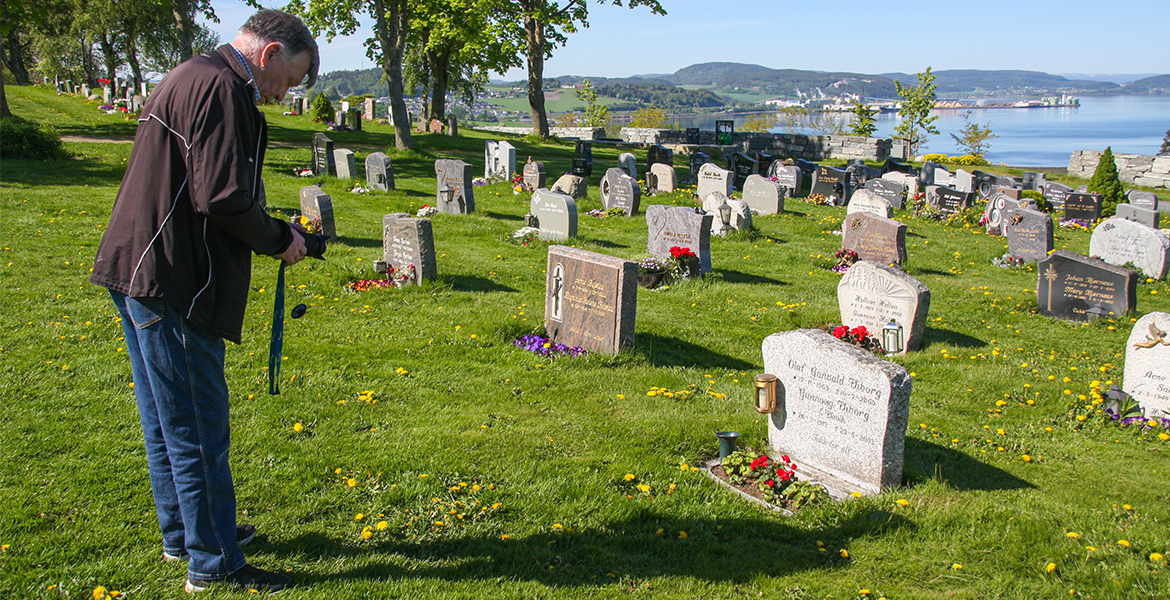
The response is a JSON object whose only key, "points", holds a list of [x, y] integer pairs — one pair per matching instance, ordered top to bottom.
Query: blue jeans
{"points": [[183, 405]]}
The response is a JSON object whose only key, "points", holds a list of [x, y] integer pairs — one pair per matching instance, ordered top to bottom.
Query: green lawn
{"points": [[407, 394]]}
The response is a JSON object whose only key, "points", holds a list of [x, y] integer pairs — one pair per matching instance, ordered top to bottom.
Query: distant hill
{"points": [[1116, 78], [967, 81], [781, 82], [354, 83], [1157, 83], [663, 96]]}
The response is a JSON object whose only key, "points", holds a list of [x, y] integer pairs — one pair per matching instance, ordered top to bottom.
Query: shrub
{"points": [[322, 109], [21, 138], [1106, 182], [1041, 202]]}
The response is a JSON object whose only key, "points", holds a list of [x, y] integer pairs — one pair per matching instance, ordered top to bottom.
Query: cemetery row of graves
{"points": [[415, 449]]}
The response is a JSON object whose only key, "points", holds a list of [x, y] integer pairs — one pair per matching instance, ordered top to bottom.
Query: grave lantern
{"points": [[724, 217], [1096, 312], [892, 337], [766, 393]]}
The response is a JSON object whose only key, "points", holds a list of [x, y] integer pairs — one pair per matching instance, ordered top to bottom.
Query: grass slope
{"points": [[406, 395]]}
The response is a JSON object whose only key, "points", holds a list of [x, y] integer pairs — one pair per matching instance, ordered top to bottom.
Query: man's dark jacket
{"points": [[186, 220]]}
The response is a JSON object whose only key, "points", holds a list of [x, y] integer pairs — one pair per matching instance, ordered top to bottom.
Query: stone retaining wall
{"points": [[581, 133], [811, 147], [1136, 169]]}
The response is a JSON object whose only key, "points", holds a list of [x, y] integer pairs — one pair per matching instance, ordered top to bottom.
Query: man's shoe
{"points": [[244, 533], [246, 579]]}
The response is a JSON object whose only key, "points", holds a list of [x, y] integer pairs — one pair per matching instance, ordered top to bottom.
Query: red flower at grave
{"points": [[678, 252], [840, 331], [860, 332], [759, 462], [783, 475], [770, 483]]}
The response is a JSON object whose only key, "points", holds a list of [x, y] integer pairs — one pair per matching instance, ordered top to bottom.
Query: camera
{"points": [[315, 244]]}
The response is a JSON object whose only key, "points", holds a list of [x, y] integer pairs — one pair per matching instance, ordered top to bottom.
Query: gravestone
{"points": [[137, 103], [298, 105], [344, 106], [369, 109], [339, 117], [355, 119], [452, 125], [437, 126], [724, 133], [692, 135], [323, 155], [659, 155], [583, 159], [697, 160], [499, 161], [764, 163], [346, 164], [629, 164], [741, 166], [896, 166], [379, 172], [534, 174], [858, 174], [926, 175], [788, 176], [662, 177], [713, 179], [1031, 180], [964, 181], [832, 183], [984, 183], [909, 184], [573, 185], [1082, 189], [619, 190], [892, 191], [1010, 192], [1056, 193], [455, 194], [764, 195], [946, 199], [864, 200], [1148, 200], [316, 205], [1082, 206], [995, 211], [555, 214], [1137, 214], [739, 217], [685, 227], [1029, 233], [875, 238], [409, 241], [1118, 241], [1074, 287], [873, 294], [591, 300], [1147, 364], [841, 412]]}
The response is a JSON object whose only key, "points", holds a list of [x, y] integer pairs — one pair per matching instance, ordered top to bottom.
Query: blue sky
{"points": [[1072, 36]]}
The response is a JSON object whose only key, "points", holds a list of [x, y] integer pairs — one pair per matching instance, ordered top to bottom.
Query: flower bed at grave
{"points": [[820, 199], [426, 210], [602, 213], [1076, 224], [310, 225], [525, 236], [845, 259], [1007, 261], [394, 278], [858, 336], [538, 344], [1125, 414], [775, 483]]}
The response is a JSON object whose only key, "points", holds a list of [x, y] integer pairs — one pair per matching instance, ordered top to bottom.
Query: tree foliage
{"points": [[656, 94], [321, 110], [596, 115], [650, 117], [863, 122], [917, 122], [761, 123], [975, 139], [1165, 144], [1107, 182]]}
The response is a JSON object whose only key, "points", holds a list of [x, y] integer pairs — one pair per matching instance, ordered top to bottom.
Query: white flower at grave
{"points": [[524, 232]]}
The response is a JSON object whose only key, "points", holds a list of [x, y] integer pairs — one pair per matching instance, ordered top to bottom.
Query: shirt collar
{"points": [[247, 68]]}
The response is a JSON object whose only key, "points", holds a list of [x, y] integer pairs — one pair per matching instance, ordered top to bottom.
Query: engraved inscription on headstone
{"points": [[788, 176], [713, 179], [832, 183], [621, 191], [893, 191], [1055, 193], [946, 199], [864, 200], [1082, 206], [555, 213], [1029, 233], [875, 238], [409, 241], [1119, 241], [1078, 288], [590, 299]]}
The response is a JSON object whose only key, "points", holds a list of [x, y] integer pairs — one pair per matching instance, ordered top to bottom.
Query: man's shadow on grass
{"points": [[731, 276], [474, 283], [934, 335], [674, 352], [925, 460], [628, 552]]}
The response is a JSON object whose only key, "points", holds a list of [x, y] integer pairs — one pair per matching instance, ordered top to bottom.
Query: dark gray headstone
{"points": [[355, 119], [452, 125], [692, 135], [657, 154], [323, 155], [583, 159], [697, 160], [764, 163], [346, 164], [741, 165], [891, 166], [379, 172], [534, 174], [858, 174], [926, 175], [788, 176], [1030, 180], [832, 183], [621, 191], [894, 192], [1056, 193], [455, 194], [764, 195], [946, 199], [1147, 200], [316, 205], [1086, 207], [995, 212], [555, 213], [1138, 214], [670, 226], [1029, 233], [875, 238], [409, 241], [1120, 242], [1074, 287], [872, 294], [591, 300], [842, 412]]}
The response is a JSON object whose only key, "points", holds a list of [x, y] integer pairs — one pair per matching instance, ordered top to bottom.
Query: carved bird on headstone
{"points": [[1157, 336]]}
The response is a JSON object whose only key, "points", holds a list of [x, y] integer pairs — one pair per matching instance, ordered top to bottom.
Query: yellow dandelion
{"points": [[297, 427], [1164, 436], [337, 471], [629, 477], [351, 482], [644, 488], [856, 494], [902, 502], [1126, 507], [359, 517], [438, 523], [382, 525], [367, 533], [682, 535], [1074, 535], [1123, 543], [843, 552], [1156, 556], [957, 567], [1050, 567], [99, 592], [863, 592]]}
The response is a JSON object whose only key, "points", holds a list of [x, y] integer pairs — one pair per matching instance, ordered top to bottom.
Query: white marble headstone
{"points": [[1147, 364]]}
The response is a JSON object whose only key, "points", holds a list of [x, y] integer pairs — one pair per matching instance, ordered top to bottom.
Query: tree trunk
{"points": [[184, 27], [391, 29], [535, 46], [110, 55], [132, 56], [14, 59], [87, 64], [440, 75], [4, 112]]}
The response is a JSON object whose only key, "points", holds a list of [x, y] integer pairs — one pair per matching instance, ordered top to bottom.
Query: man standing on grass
{"points": [[177, 259]]}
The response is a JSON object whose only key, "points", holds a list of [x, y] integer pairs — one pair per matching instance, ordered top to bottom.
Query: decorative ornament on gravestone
{"points": [[1073, 287], [841, 413]]}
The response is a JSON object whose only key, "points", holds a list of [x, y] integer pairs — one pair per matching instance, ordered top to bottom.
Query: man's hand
{"points": [[296, 250]]}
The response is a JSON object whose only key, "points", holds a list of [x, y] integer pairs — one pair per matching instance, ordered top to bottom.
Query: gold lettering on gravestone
{"points": [[1051, 276], [1088, 289], [589, 297]]}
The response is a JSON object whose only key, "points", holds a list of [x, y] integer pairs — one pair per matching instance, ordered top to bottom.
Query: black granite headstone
{"points": [[692, 134], [658, 154], [323, 155], [583, 159], [698, 159], [764, 163], [741, 166], [898, 166], [833, 183], [893, 191], [1056, 193], [947, 199], [1085, 207], [1074, 287]]}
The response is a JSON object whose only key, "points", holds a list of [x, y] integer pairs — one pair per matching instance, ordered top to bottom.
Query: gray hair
{"points": [[267, 26]]}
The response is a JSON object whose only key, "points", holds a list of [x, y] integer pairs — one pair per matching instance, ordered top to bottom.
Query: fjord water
{"points": [[1037, 137]]}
